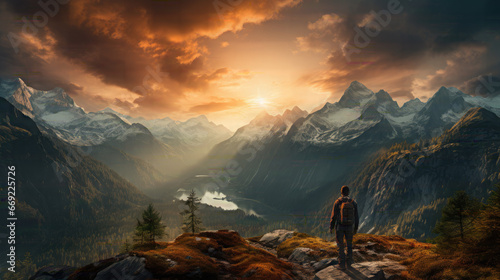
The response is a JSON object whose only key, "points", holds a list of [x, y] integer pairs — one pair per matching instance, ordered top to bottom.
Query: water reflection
{"points": [[215, 199]]}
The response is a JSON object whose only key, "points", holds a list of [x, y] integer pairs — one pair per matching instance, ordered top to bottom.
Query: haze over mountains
{"points": [[143, 156], [294, 162], [305, 164], [59, 189]]}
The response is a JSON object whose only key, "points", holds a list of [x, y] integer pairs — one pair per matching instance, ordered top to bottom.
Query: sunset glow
{"points": [[230, 64]]}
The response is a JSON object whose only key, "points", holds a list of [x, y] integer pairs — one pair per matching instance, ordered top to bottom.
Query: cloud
{"points": [[323, 34], [119, 41], [397, 51], [483, 85], [216, 106]]}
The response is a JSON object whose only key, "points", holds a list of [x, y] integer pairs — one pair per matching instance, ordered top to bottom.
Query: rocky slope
{"points": [[168, 145], [300, 163], [403, 189], [59, 190], [223, 254]]}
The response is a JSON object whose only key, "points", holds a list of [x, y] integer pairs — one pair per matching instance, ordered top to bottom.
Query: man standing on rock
{"points": [[345, 221]]}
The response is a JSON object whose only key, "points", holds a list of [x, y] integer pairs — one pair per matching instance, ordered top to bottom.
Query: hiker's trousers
{"points": [[340, 234]]}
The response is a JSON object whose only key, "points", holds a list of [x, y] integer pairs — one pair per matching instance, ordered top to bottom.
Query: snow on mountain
{"points": [[355, 95], [358, 110], [345, 120], [265, 125], [191, 136]]}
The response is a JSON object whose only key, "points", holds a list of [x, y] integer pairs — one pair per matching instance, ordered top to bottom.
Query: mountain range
{"points": [[124, 144], [293, 162], [300, 163], [58, 188], [402, 190]]}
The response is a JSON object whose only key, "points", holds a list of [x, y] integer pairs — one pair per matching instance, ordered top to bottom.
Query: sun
{"points": [[259, 101]]}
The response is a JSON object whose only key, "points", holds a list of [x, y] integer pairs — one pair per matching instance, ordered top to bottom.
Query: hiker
{"points": [[345, 221]]}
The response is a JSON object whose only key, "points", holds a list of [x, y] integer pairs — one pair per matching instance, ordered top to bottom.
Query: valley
{"points": [[277, 171]]}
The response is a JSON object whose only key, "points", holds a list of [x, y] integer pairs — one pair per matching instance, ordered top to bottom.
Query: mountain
{"points": [[57, 114], [266, 126], [192, 138], [244, 144], [300, 162], [137, 171], [58, 188], [402, 190]]}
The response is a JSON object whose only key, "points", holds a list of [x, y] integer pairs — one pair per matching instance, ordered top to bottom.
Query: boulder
{"points": [[275, 238], [301, 255], [324, 263], [131, 268], [365, 270], [53, 273]]}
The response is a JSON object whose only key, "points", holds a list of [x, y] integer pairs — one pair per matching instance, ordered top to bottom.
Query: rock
{"points": [[275, 238], [301, 255], [171, 263], [324, 263], [131, 268], [365, 270], [53, 273], [249, 273], [195, 274]]}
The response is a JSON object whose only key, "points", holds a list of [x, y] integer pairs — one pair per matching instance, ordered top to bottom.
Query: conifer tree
{"points": [[457, 221], [191, 223], [150, 228], [139, 233], [486, 245], [126, 246]]}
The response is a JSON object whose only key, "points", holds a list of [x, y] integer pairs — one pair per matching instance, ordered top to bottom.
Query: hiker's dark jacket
{"points": [[335, 218]]}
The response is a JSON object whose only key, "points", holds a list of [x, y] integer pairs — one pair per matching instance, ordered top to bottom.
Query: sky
{"points": [[231, 59]]}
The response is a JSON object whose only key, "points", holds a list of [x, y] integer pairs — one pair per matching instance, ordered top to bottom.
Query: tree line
{"points": [[150, 228], [470, 228]]}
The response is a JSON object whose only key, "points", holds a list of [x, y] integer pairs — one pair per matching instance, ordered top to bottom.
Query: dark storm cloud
{"points": [[116, 40], [370, 43], [484, 85]]}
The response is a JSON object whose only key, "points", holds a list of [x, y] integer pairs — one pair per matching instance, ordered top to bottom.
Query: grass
{"points": [[321, 248], [204, 253]]}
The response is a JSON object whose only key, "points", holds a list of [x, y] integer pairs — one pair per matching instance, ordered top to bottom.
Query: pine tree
{"points": [[457, 221], [191, 223], [150, 228], [139, 233], [486, 246], [126, 247]]}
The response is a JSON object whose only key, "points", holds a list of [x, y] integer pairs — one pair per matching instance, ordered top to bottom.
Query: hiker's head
{"points": [[344, 191]]}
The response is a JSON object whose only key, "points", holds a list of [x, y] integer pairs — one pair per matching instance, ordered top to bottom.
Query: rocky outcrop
{"points": [[275, 238], [226, 255], [302, 255], [131, 268], [370, 270], [53, 272]]}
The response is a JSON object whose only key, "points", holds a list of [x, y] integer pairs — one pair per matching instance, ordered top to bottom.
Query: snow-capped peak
{"points": [[355, 95], [383, 95], [294, 114]]}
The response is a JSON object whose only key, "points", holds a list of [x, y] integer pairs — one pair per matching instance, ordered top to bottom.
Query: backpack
{"points": [[347, 213]]}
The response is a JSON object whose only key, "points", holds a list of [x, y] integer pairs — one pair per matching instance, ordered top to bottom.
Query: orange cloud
{"points": [[216, 106]]}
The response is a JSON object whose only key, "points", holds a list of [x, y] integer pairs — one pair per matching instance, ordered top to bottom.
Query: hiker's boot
{"points": [[340, 266]]}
